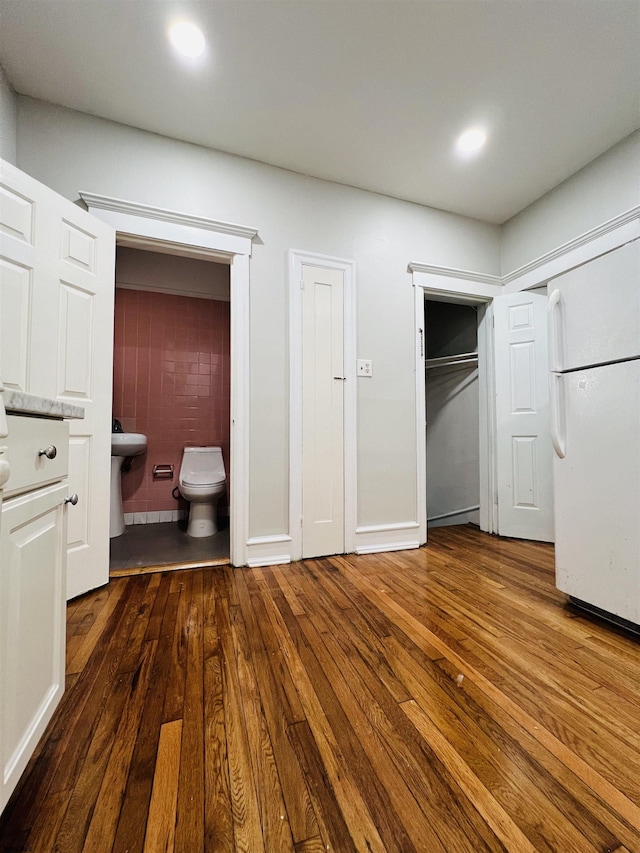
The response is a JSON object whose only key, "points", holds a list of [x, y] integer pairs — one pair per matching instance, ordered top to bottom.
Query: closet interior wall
{"points": [[452, 402]]}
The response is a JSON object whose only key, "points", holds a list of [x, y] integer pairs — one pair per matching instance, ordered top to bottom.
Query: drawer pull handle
{"points": [[50, 452], [72, 499]]}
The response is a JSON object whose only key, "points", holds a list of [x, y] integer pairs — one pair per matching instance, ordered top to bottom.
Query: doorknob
{"points": [[72, 499]]}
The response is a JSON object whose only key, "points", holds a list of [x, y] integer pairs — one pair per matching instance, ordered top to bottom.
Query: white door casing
{"points": [[143, 226], [430, 285], [57, 342], [323, 382], [523, 440]]}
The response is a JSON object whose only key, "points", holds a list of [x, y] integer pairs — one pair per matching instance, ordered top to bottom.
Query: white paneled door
{"points": [[56, 325], [323, 381], [524, 452]]}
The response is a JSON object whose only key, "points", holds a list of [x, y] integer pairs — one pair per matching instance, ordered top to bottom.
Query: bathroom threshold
{"points": [[165, 547]]}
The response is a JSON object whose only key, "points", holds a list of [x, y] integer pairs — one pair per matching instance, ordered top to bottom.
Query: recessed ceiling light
{"points": [[187, 39], [471, 140]]}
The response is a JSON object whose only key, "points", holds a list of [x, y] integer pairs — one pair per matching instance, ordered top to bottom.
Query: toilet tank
{"points": [[202, 465]]}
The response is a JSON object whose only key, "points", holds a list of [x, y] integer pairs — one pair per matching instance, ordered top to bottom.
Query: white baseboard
{"points": [[377, 538], [387, 546], [268, 550], [277, 560]]}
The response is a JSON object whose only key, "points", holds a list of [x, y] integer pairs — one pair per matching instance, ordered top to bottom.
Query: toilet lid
{"points": [[197, 478]]}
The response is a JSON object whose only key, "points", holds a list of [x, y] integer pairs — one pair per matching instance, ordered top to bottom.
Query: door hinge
{"points": [[301, 284], [421, 343]]}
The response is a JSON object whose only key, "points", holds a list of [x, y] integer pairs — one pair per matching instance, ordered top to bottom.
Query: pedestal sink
{"points": [[123, 446]]}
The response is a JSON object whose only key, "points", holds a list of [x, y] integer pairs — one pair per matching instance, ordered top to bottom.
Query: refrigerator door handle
{"points": [[553, 322], [556, 407]]}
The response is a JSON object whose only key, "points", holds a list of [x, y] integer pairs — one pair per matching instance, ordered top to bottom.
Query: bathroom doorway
{"points": [[172, 384]]}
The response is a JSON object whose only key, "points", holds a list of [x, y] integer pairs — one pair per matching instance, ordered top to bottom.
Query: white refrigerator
{"points": [[594, 362]]}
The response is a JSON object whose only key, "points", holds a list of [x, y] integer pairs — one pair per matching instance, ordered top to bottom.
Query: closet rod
{"points": [[464, 358]]}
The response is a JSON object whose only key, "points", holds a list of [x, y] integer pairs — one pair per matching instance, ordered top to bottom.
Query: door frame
{"points": [[143, 226], [297, 259], [487, 424]]}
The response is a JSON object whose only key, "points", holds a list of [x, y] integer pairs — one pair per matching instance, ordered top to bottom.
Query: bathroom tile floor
{"points": [[143, 545]]}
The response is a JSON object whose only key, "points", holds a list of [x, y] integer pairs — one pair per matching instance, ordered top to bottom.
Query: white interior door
{"points": [[56, 301], [322, 411], [524, 451]]}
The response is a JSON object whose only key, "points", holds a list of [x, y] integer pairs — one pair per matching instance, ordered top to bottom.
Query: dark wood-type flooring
{"points": [[437, 700]]}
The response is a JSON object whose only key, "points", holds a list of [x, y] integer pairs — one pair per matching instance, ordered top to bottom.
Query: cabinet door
{"points": [[57, 267], [32, 624]]}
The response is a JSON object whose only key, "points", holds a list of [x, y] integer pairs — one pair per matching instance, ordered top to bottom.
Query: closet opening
{"points": [[454, 401]]}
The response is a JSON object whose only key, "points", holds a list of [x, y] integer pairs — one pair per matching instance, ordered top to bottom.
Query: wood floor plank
{"points": [[181, 585], [440, 699], [294, 788], [245, 808], [327, 812], [355, 812], [218, 814], [190, 816], [104, 820], [161, 821], [499, 821], [275, 829], [130, 833]]}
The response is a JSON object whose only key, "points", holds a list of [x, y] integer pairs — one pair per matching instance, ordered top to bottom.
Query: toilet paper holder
{"points": [[163, 472]]}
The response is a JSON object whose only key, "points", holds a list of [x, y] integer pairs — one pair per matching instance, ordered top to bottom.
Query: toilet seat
{"points": [[196, 478]]}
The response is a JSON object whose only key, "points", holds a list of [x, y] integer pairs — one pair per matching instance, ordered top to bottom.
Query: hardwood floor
{"points": [[441, 700]]}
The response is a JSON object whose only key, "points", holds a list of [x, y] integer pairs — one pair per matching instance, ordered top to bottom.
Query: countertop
{"points": [[17, 402]]}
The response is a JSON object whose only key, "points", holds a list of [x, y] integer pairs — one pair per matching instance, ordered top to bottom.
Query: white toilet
{"points": [[202, 481]]}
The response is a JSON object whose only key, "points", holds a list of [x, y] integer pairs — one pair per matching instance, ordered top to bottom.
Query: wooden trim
{"points": [[95, 202], [603, 238], [581, 241], [167, 567]]}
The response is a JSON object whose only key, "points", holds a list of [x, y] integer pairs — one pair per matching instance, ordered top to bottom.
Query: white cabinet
{"points": [[32, 589]]}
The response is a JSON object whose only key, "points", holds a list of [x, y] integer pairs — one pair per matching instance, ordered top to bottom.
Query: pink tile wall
{"points": [[171, 382]]}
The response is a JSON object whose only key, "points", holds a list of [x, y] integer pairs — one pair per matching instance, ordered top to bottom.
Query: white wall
{"points": [[8, 119], [70, 151], [600, 191], [142, 270]]}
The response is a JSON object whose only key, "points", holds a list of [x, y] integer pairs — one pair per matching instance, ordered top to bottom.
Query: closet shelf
{"points": [[450, 360]]}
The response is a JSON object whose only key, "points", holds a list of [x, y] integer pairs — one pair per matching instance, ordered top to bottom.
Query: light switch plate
{"points": [[365, 367]]}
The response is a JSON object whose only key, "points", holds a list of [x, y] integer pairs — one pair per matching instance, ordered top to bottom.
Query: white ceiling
{"points": [[369, 93]]}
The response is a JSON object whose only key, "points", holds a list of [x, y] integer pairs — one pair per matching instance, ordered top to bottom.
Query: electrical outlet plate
{"points": [[365, 367]]}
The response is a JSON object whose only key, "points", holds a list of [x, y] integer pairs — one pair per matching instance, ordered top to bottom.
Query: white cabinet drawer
{"points": [[29, 467]]}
